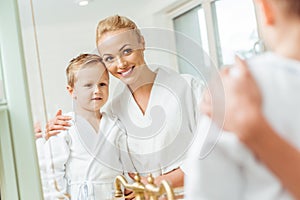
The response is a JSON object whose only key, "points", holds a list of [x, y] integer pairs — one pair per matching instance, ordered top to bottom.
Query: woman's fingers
{"points": [[59, 123], [38, 135], [129, 194]]}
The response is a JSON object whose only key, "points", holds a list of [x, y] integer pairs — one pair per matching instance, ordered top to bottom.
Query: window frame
{"points": [[211, 25]]}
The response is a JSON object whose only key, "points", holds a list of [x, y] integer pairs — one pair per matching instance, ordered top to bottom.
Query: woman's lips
{"points": [[127, 72]]}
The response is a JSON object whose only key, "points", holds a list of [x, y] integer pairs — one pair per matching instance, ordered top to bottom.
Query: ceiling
{"points": [[49, 12]]}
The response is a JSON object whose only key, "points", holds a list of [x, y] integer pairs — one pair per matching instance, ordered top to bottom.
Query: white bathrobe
{"points": [[157, 140], [85, 163], [231, 171]]}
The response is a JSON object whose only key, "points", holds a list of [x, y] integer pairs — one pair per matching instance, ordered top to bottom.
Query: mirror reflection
{"points": [[122, 105]]}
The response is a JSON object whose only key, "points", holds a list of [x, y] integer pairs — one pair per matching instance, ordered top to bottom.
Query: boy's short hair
{"points": [[291, 7], [114, 23], [79, 63]]}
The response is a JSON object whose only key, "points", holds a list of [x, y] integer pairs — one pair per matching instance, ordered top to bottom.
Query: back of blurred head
{"points": [[280, 23]]}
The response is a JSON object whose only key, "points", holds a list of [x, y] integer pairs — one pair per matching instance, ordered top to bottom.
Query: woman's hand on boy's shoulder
{"points": [[57, 124]]}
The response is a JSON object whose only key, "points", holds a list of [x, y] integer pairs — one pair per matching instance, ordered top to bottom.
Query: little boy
{"points": [[84, 158], [235, 169]]}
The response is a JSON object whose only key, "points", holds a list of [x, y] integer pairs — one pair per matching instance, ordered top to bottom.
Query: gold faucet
{"points": [[137, 187], [141, 191], [154, 192]]}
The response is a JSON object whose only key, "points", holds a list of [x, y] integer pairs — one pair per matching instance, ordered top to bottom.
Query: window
{"points": [[192, 25], [222, 28], [236, 29]]}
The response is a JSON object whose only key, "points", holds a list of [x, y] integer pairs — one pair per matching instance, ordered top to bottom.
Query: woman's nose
{"points": [[121, 63]]}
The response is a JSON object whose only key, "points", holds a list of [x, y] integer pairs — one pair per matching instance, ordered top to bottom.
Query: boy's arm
{"points": [[244, 117], [60, 152], [53, 155], [281, 157]]}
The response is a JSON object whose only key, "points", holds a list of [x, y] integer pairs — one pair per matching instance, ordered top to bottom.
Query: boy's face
{"points": [[123, 54], [91, 88]]}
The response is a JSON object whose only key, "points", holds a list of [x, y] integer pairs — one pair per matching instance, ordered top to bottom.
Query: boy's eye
{"points": [[102, 84], [88, 85]]}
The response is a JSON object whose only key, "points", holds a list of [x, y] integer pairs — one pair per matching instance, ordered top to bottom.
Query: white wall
{"points": [[64, 31]]}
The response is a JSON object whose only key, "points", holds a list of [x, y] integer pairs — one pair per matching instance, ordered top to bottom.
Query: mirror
{"points": [[55, 31], [67, 33]]}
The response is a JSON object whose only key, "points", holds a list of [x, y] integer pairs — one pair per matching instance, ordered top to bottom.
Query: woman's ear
{"points": [[267, 11], [142, 41], [71, 91]]}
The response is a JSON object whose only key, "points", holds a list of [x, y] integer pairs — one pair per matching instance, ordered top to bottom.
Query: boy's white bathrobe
{"points": [[85, 163], [231, 171]]}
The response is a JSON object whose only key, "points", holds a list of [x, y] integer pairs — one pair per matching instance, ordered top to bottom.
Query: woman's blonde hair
{"points": [[114, 23], [78, 63]]}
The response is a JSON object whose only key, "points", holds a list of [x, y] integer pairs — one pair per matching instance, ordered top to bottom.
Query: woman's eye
{"points": [[127, 51], [108, 59], [102, 84]]}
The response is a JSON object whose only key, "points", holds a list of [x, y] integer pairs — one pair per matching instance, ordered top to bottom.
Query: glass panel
{"points": [[192, 24], [237, 29], [203, 30], [50, 41], [2, 94]]}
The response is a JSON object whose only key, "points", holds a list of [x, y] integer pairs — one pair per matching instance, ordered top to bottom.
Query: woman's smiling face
{"points": [[123, 54]]}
